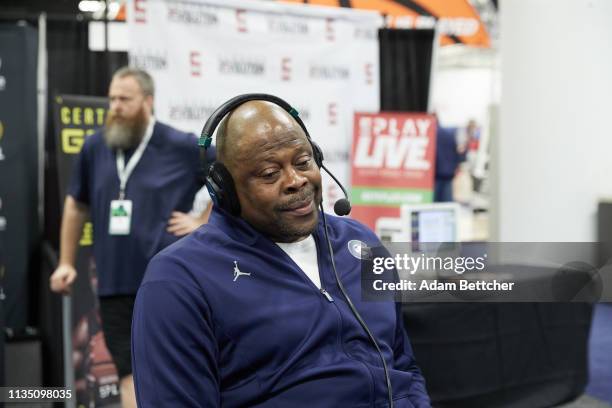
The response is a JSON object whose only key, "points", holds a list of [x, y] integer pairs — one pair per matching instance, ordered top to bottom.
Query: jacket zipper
{"points": [[327, 295]]}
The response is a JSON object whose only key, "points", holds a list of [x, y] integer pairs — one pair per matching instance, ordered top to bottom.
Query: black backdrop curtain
{"points": [[405, 68], [19, 226], [500, 354]]}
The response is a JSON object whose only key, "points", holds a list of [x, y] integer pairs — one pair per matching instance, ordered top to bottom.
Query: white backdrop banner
{"points": [[323, 61]]}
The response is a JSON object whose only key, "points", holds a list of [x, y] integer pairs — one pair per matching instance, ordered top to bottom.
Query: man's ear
{"points": [[149, 102]]}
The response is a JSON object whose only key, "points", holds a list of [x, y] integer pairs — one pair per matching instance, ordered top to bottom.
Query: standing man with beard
{"points": [[136, 179], [246, 311]]}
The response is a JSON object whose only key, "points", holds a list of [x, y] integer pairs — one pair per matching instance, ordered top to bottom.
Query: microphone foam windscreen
{"points": [[342, 207]]}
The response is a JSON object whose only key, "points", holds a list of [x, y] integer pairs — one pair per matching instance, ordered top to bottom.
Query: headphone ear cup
{"points": [[317, 153], [220, 185], [213, 191]]}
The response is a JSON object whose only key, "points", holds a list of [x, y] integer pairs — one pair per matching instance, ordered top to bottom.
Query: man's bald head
{"points": [[250, 119]]}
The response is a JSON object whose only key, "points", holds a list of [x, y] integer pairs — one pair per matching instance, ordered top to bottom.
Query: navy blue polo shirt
{"points": [[447, 157], [166, 179]]}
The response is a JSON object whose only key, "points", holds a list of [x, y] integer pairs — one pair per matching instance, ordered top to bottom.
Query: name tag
{"points": [[120, 217]]}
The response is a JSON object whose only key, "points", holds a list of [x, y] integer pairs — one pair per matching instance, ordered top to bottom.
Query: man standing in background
{"points": [[448, 157], [136, 179]]}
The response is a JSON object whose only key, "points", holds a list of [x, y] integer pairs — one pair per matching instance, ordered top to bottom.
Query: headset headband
{"points": [[213, 121]]}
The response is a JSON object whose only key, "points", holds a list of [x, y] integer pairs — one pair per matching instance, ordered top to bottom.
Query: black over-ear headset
{"points": [[219, 181], [222, 191]]}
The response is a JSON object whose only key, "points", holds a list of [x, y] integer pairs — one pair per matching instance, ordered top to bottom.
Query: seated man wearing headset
{"points": [[250, 311]]}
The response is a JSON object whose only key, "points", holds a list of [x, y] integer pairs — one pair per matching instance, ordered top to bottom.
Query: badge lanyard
{"points": [[125, 171]]}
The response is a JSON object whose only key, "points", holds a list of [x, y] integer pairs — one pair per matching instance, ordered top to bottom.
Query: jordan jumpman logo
{"points": [[238, 273]]}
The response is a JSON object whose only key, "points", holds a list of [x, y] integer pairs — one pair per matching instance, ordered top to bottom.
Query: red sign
{"points": [[393, 160]]}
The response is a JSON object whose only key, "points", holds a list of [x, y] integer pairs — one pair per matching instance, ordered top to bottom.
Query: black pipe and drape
{"points": [[405, 69]]}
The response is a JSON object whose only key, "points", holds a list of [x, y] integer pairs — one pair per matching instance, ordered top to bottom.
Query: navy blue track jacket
{"points": [[204, 335]]}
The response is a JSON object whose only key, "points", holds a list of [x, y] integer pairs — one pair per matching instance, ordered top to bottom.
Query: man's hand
{"points": [[182, 224], [62, 278]]}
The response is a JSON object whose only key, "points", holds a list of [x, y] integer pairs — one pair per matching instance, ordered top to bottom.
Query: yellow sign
{"points": [[77, 115], [77, 122], [73, 139], [87, 235]]}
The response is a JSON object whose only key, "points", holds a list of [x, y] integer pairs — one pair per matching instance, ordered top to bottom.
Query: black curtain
{"points": [[405, 68], [19, 224], [19, 229], [500, 354]]}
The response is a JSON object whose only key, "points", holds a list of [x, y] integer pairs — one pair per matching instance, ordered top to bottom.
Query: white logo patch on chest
{"points": [[359, 249]]}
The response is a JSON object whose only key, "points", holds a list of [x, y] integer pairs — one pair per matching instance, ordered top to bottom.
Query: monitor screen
{"points": [[430, 223], [433, 225]]}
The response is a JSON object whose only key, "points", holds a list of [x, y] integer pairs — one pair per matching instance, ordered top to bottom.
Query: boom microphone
{"points": [[343, 205]]}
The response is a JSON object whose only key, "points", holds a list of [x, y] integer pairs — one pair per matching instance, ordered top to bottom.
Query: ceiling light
{"points": [[90, 6]]}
